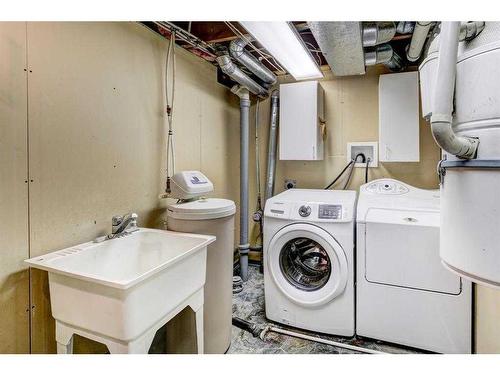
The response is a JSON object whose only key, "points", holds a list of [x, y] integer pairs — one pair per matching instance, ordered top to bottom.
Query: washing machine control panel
{"points": [[387, 187], [310, 211], [330, 211]]}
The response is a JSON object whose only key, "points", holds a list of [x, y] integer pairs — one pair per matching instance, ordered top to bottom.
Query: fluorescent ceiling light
{"points": [[283, 43]]}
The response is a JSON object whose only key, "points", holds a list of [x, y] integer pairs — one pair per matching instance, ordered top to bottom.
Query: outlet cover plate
{"points": [[370, 149]]}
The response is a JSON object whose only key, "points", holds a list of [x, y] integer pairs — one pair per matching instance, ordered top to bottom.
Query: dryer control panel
{"points": [[387, 187]]}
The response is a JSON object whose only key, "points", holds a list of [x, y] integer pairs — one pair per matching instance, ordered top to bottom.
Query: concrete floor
{"points": [[249, 305]]}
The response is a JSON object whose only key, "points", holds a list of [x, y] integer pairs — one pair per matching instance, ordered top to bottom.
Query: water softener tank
{"points": [[470, 188]]}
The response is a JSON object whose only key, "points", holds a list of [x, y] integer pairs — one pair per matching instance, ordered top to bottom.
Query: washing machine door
{"points": [[307, 264]]}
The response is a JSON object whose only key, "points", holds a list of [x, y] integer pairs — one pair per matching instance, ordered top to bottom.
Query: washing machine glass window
{"points": [[305, 264]]}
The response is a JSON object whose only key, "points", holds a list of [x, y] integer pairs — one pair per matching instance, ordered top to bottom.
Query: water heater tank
{"points": [[470, 189]]}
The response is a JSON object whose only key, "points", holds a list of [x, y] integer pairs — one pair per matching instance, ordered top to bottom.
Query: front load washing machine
{"points": [[309, 260], [404, 294]]}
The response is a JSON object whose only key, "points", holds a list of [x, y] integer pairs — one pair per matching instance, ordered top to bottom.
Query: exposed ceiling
{"points": [[205, 38]]}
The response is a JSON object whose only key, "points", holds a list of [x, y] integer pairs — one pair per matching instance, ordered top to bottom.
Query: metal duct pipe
{"points": [[405, 27], [375, 33], [418, 40], [238, 52], [378, 55], [396, 63], [230, 68], [441, 119], [244, 146], [271, 152]]}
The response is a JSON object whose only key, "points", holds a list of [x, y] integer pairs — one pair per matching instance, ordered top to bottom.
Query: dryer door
{"points": [[402, 250], [307, 264]]}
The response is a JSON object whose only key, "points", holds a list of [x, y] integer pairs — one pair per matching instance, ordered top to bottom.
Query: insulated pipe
{"points": [[405, 27], [375, 33], [418, 40], [238, 52], [378, 55], [395, 64], [230, 68], [441, 119], [244, 146], [271, 152]]}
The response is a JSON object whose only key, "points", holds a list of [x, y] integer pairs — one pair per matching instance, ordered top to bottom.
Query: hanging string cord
{"points": [[169, 101]]}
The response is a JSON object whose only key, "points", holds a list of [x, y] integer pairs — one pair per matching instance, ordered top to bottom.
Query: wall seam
{"points": [[28, 176]]}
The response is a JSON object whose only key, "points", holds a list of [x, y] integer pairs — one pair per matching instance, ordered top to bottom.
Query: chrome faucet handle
{"points": [[116, 220]]}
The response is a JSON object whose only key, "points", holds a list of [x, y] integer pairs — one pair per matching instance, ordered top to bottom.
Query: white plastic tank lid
{"points": [[202, 209]]}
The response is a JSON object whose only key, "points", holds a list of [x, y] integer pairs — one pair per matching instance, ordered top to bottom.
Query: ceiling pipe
{"points": [[405, 27], [470, 30], [375, 33], [414, 50], [238, 52], [379, 55], [396, 63], [237, 75], [441, 120]]}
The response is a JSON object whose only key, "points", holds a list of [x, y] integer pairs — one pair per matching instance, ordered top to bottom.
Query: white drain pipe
{"points": [[441, 119], [317, 339]]}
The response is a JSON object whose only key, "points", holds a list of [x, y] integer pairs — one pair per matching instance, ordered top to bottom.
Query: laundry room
{"points": [[181, 183]]}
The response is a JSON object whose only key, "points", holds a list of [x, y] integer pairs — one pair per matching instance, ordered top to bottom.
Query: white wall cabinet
{"points": [[399, 118], [302, 126]]}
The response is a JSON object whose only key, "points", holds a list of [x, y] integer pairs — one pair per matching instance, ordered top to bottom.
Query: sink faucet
{"points": [[121, 225]]}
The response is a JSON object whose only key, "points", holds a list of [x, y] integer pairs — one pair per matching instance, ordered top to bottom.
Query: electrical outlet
{"points": [[369, 149]]}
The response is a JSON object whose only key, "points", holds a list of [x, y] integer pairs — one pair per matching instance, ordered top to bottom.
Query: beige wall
{"points": [[94, 105], [351, 109], [14, 277]]}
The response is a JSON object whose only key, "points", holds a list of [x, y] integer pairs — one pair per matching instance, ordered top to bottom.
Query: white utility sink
{"points": [[122, 290]]}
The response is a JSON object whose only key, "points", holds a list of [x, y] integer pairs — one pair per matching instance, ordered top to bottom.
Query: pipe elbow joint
{"points": [[236, 47], [463, 147]]}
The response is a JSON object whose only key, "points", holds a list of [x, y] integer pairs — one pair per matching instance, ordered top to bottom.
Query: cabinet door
{"points": [[300, 110], [399, 118], [14, 276]]}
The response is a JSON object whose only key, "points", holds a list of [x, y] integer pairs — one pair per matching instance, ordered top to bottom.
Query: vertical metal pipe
{"points": [[244, 146], [271, 155]]}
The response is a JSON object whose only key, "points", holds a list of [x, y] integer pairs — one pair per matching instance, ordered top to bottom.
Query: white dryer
{"points": [[309, 260], [404, 294]]}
